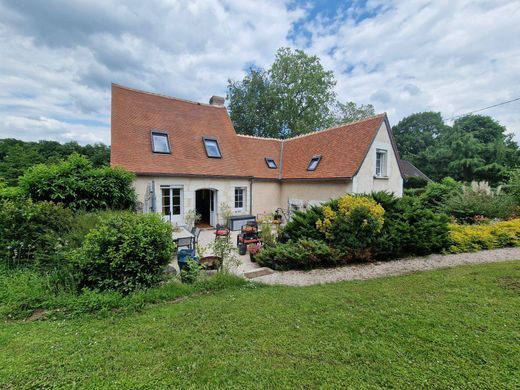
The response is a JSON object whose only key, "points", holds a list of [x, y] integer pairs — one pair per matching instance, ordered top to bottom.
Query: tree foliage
{"points": [[295, 96], [475, 148], [16, 155], [77, 184]]}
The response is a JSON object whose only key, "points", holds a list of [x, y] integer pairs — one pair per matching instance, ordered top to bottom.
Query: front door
{"points": [[205, 201], [172, 204]]}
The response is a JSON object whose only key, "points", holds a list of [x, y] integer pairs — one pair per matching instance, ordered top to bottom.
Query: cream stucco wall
{"points": [[365, 180], [225, 190], [312, 192], [266, 197]]}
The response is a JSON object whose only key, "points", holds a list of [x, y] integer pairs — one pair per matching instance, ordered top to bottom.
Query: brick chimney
{"points": [[217, 101]]}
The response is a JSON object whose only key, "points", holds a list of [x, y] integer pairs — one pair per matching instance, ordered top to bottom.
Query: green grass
{"points": [[451, 328]]}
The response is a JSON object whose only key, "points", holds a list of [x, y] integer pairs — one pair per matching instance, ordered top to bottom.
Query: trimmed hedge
{"points": [[471, 238]]}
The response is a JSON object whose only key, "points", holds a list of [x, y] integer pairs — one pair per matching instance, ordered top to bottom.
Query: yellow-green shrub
{"points": [[470, 238]]}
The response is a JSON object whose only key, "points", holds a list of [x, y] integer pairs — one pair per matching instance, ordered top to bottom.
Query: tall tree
{"points": [[294, 96], [351, 112], [415, 133], [476, 147], [16, 156]]}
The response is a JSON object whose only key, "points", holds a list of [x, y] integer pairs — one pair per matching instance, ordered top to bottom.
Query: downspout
{"points": [[251, 196]]}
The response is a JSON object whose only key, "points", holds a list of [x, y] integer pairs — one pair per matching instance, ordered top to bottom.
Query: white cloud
{"points": [[444, 55], [59, 57]]}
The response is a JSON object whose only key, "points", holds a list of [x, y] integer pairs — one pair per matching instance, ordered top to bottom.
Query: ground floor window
{"points": [[240, 196], [171, 201]]}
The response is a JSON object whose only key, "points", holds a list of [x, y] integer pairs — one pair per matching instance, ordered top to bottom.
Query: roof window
{"points": [[160, 142], [212, 148], [270, 163], [313, 164]]}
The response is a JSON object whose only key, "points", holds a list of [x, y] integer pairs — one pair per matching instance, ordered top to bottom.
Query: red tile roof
{"points": [[136, 113]]}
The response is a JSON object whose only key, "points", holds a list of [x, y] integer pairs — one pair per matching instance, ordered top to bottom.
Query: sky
{"points": [[58, 58]]}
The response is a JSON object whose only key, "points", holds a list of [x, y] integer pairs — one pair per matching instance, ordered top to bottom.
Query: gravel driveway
{"points": [[387, 268]]}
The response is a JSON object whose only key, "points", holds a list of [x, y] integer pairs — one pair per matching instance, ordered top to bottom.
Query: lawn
{"points": [[451, 328]]}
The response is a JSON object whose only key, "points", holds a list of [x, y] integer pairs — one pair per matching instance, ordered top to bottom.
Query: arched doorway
{"points": [[205, 201]]}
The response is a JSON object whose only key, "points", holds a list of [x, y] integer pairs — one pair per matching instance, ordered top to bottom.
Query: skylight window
{"points": [[160, 142], [212, 148], [270, 163], [313, 164]]}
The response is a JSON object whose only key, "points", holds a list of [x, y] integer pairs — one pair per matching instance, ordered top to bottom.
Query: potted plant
{"points": [[253, 250]]}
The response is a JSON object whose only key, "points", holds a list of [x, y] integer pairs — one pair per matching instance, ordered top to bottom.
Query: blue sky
{"points": [[404, 56]]}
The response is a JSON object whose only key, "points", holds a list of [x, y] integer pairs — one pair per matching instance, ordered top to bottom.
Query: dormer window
{"points": [[160, 142], [212, 148], [270, 163], [313, 164]]}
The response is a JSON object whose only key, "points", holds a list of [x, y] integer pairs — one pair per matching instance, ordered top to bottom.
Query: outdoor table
{"points": [[182, 234]]}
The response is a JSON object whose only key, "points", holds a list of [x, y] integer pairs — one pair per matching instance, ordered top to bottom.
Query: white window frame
{"points": [[381, 166], [170, 197], [244, 198]]}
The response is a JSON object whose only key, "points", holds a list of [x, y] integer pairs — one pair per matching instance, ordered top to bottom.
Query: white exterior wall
{"points": [[365, 180], [225, 192], [301, 194]]}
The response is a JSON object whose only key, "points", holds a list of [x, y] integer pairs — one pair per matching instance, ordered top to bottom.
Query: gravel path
{"points": [[388, 268]]}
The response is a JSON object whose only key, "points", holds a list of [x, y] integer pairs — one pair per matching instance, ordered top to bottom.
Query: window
{"points": [[160, 142], [212, 148], [381, 157], [270, 162], [313, 164], [240, 197], [171, 201]]}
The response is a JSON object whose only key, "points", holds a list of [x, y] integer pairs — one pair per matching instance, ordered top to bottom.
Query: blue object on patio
{"points": [[183, 255]]}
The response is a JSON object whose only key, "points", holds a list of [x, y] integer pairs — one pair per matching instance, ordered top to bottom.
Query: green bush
{"points": [[79, 186], [436, 194], [468, 206], [303, 225], [409, 228], [33, 233], [470, 238], [125, 252], [301, 254]]}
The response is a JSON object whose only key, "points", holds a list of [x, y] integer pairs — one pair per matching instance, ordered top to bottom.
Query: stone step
{"points": [[255, 273]]}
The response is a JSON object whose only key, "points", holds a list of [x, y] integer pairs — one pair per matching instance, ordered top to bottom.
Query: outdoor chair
{"points": [[196, 232], [184, 242]]}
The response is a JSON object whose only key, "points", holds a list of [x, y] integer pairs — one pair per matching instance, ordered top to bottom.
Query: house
{"points": [[187, 156], [411, 171]]}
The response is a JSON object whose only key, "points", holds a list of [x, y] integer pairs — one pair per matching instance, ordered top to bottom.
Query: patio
{"points": [[207, 236]]}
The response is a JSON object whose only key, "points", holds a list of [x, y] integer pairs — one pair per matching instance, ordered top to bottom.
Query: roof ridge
{"points": [[165, 96], [382, 115], [258, 137]]}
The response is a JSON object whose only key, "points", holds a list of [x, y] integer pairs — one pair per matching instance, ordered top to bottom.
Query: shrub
{"points": [[79, 186], [435, 194], [480, 200], [303, 225], [351, 225], [409, 228], [32, 233], [470, 238], [126, 251], [301, 254]]}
